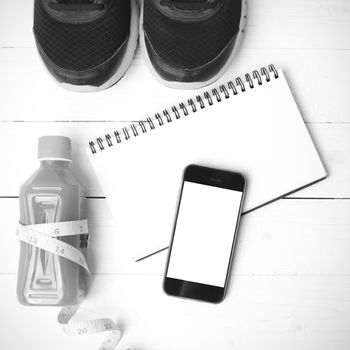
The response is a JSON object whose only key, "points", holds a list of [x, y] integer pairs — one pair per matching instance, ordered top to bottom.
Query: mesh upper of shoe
{"points": [[186, 45], [82, 46]]}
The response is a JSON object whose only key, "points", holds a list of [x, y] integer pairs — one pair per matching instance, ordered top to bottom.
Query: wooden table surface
{"points": [[290, 285]]}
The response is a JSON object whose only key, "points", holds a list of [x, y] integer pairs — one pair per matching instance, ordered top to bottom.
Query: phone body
{"points": [[206, 224]]}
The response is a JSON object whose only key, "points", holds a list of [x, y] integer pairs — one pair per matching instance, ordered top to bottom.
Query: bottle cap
{"points": [[54, 148]]}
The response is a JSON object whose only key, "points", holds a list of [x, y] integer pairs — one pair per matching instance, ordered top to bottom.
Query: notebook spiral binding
{"points": [[183, 109]]}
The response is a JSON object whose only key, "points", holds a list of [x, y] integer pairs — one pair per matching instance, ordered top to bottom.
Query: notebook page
{"points": [[259, 133]]}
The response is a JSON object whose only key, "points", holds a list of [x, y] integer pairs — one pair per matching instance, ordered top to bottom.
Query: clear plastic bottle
{"points": [[51, 194]]}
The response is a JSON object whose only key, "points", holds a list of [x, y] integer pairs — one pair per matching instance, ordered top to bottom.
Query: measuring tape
{"points": [[42, 236], [45, 236], [90, 327]]}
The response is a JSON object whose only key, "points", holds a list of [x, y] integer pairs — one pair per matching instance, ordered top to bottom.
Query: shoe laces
{"points": [[190, 4], [77, 5]]}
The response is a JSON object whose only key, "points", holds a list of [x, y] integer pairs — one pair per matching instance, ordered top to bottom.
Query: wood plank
{"points": [[299, 24], [319, 80], [332, 141], [289, 237], [291, 277], [259, 313]]}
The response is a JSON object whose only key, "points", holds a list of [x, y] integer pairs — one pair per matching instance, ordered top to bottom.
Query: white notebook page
{"points": [[259, 133]]}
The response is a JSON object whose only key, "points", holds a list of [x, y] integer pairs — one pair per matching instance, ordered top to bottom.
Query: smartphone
{"points": [[204, 234]]}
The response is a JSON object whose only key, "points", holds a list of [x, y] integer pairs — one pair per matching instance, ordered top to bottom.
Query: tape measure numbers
{"points": [[46, 236], [39, 238]]}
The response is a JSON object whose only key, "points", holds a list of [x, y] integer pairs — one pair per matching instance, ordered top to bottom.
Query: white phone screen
{"points": [[204, 234]]}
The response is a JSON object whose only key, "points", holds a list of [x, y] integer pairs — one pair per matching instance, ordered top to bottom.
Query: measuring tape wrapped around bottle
{"points": [[46, 237]]}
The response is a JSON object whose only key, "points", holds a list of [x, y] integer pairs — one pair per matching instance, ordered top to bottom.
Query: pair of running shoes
{"points": [[88, 45]]}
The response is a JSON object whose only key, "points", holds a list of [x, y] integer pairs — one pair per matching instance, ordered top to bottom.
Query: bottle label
{"points": [[46, 236]]}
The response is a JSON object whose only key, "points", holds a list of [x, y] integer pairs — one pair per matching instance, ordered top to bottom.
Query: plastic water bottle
{"points": [[51, 194]]}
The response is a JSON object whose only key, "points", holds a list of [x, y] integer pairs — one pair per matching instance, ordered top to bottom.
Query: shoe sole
{"points": [[126, 61], [194, 85]]}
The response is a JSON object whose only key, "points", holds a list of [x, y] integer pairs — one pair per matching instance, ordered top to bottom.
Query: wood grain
{"points": [[31, 94], [332, 141], [289, 237], [290, 283], [260, 312]]}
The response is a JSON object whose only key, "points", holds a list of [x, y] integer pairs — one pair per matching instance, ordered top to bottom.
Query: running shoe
{"points": [[190, 43], [86, 45]]}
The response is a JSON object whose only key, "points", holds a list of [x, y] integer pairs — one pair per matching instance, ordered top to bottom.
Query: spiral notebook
{"points": [[251, 125]]}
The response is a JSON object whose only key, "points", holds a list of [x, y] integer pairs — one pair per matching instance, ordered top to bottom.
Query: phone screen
{"points": [[204, 234]]}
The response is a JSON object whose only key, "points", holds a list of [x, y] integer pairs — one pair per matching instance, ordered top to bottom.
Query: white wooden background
{"points": [[290, 285]]}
